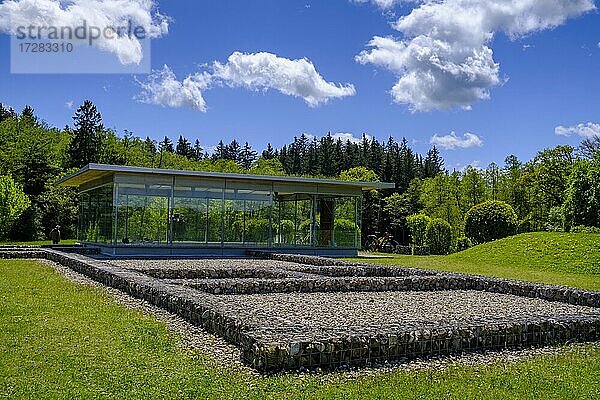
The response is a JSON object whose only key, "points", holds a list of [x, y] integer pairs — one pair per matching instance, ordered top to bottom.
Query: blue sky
{"points": [[547, 77]]}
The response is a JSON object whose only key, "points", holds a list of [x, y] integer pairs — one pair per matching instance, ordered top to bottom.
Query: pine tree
{"points": [[6, 113], [28, 114], [87, 136], [166, 145], [150, 146], [184, 148], [198, 151], [233, 151], [220, 152], [268, 153], [326, 153], [247, 156], [433, 163]]}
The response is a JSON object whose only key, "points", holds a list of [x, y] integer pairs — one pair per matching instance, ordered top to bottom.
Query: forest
{"points": [[558, 190]]}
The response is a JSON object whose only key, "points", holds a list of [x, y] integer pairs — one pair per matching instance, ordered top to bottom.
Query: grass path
{"points": [[553, 258], [61, 340]]}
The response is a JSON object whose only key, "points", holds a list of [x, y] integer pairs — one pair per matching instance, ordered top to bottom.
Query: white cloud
{"points": [[383, 4], [101, 14], [444, 61], [263, 71], [162, 88], [69, 105], [587, 131], [345, 137], [452, 142]]}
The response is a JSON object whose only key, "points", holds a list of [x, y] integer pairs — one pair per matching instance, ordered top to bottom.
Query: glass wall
{"points": [[164, 210], [197, 212], [143, 213], [95, 215]]}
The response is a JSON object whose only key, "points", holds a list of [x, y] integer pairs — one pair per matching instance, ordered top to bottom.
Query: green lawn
{"points": [[37, 243], [570, 259], [61, 340]]}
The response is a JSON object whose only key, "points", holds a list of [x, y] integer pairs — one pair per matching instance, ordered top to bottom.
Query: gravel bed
{"points": [[208, 263], [320, 316]]}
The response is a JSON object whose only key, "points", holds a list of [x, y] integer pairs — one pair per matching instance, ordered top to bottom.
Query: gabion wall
{"points": [[342, 352]]}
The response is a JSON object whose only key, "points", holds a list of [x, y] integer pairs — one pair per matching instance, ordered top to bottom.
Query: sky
{"points": [[479, 79]]}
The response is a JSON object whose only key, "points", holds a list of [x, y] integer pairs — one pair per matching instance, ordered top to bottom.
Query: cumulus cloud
{"points": [[383, 4], [100, 14], [444, 60], [259, 71], [263, 71], [162, 88], [587, 131], [349, 137], [452, 142]]}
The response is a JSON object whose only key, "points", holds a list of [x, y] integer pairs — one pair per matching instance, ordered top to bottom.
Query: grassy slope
{"points": [[553, 258], [61, 340]]}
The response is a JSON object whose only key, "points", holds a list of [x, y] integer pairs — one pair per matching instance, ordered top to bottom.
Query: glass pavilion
{"points": [[144, 211]]}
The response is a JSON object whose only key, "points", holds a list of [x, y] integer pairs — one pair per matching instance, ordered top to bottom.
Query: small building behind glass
{"points": [[145, 211]]}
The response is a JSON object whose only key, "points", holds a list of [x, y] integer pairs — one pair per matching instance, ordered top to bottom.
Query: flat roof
{"points": [[95, 171]]}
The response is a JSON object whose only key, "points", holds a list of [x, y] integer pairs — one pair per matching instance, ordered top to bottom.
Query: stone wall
{"points": [[419, 279]]}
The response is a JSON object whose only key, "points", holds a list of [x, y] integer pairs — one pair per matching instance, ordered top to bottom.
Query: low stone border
{"points": [[454, 281], [201, 309], [365, 351]]}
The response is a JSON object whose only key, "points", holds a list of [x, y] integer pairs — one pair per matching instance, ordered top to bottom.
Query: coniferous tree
{"points": [[88, 134], [150, 146], [165, 146], [184, 148], [198, 151], [233, 151], [220, 152], [269, 152], [247, 156], [433, 163]]}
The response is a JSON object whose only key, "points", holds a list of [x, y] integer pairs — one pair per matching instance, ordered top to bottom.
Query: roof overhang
{"points": [[92, 172]]}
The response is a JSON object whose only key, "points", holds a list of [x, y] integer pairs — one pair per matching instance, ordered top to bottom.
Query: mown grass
{"points": [[37, 243], [570, 259], [61, 340]]}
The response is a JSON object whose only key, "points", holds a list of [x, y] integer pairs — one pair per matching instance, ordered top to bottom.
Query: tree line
{"points": [[556, 190]]}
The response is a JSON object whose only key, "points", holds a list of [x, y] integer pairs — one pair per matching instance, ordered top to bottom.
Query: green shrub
{"points": [[13, 202], [490, 221], [417, 224], [585, 229], [438, 236], [463, 243], [421, 251]]}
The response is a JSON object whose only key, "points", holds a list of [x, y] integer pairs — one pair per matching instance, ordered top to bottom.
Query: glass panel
{"points": [[143, 214], [95, 215], [233, 218], [257, 219], [345, 223], [284, 226], [304, 226]]}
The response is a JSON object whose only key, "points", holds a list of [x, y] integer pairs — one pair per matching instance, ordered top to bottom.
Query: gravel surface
{"points": [[208, 263], [290, 317]]}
